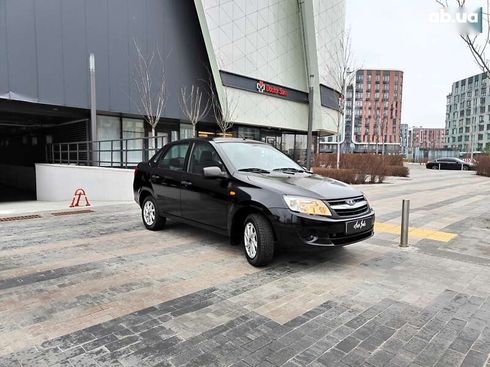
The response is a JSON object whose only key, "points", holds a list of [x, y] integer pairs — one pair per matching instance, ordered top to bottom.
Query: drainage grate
{"points": [[72, 212], [20, 217]]}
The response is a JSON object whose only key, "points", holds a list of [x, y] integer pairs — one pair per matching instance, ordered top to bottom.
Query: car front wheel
{"points": [[149, 212], [258, 240]]}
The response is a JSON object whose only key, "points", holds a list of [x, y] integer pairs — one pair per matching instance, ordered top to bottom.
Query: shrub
{"points": [[394, 160], [483, 165], [370, 168], [399, 171], [345, 175]]}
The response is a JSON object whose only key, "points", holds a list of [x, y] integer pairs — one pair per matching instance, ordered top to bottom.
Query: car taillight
{"points": [[136, 171]]}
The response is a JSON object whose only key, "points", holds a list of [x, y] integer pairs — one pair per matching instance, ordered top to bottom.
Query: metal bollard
{"points": [[405, 222]]}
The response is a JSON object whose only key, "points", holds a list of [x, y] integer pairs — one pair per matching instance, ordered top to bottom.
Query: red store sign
{"points": [[271, 89]]}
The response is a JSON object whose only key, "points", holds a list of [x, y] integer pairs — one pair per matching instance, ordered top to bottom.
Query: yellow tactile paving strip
{"points": [[426, 233]]}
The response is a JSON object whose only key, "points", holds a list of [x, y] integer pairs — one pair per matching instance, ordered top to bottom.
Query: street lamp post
{"points": [[342, 106], [93, 109], [341, 118], [309, 137]]}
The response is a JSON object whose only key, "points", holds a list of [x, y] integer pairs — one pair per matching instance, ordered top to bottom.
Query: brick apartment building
{"points": [[373, 113], [427, 138]]}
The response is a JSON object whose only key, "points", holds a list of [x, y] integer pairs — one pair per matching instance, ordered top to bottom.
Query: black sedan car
{"points": [[449, 163], [251, 192]]}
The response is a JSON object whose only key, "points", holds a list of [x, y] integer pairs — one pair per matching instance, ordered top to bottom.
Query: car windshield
{"points": [[260, 158]]}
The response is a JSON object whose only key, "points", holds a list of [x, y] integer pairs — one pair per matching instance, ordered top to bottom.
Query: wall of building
{"points": [[329, 16], [259, 39], [265, 41], [46, 45], [373, 113], [468, 114], [428, 138], [55, 182]]}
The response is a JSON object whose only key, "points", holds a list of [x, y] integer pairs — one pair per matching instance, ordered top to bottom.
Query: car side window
{"points": [[204, 155], [174, 158]]}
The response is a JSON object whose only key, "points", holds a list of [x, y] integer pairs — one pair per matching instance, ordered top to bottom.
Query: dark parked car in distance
{"points": [[449, 163], [251, 192]]}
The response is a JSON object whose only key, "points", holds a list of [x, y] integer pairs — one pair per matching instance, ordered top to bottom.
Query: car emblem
{"points": [[350, 202]]}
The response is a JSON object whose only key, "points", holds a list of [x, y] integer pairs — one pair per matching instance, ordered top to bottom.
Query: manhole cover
{"points": [[72, 212], [19, 217]]}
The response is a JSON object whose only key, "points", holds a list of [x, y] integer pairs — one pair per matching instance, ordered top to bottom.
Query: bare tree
{"points": [[476, 43], [341, 71], [150, 81], [192, 105], [224, 109]]}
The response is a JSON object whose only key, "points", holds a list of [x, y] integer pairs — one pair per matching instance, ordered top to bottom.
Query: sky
{"points": [[400, 34]]}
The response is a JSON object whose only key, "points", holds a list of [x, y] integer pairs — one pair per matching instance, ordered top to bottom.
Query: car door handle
{"points": [[155, 177], [186, 183]]}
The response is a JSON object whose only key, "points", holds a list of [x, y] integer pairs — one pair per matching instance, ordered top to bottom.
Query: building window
{"points": [[109, 129], [133, 129], [249, 133]]}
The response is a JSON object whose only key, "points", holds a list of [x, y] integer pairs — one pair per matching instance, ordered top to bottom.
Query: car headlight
{"points": [[367, 201], [306, 205]]}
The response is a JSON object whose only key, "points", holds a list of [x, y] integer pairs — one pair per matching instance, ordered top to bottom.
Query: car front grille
{"points": [[349, 207]]}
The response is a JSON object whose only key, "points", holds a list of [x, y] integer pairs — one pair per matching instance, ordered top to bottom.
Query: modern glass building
{"points": [[269, 57]]}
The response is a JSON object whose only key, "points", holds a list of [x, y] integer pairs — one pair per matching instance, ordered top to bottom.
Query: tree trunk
{"points": [[193, 130], [152, 140]]}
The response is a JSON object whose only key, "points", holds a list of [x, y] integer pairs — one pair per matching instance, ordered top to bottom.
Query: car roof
{"points": [[218, 140]]}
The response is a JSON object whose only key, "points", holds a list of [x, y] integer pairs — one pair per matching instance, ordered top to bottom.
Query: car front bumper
{"points": [[294, 229]]}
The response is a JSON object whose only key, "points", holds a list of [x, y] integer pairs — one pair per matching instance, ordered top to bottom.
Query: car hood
{"points": [[310, 185]]}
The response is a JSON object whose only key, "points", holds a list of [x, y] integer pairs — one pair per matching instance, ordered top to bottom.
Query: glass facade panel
{"points": [[109, 128], [133, 129], [185, 131], [249, 133], [162, 139], [287, 145], [300, 149]]}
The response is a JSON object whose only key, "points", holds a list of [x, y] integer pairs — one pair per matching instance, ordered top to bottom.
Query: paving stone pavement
{"points": [[97, 289]]}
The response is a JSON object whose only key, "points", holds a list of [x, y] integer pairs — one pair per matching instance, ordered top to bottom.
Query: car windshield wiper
{"points": [[254, 169], [289, 170]]}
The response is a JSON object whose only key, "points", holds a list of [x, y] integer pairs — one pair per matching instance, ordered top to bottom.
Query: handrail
{"points": [[123, 153]]}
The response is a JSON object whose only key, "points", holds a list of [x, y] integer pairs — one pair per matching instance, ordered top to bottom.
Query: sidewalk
{"points": [[30, 207]]}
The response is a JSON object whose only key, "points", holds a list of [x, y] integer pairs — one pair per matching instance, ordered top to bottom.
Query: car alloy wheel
{"points": [[149, 213], [151, 218], [250, 240], [258, 240]]}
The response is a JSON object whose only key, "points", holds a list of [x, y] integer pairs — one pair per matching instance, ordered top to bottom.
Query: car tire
{"points": [[435, 167], [466, 168], [149, 214], [258, 240]]}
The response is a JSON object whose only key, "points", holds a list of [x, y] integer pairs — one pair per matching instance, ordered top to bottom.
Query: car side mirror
{"points": [[213, 172]]}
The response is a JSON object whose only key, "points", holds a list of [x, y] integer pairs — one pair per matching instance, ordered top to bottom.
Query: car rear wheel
{"points": [[435, 167], [465, 168], [149, 213], [258, 240]]}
